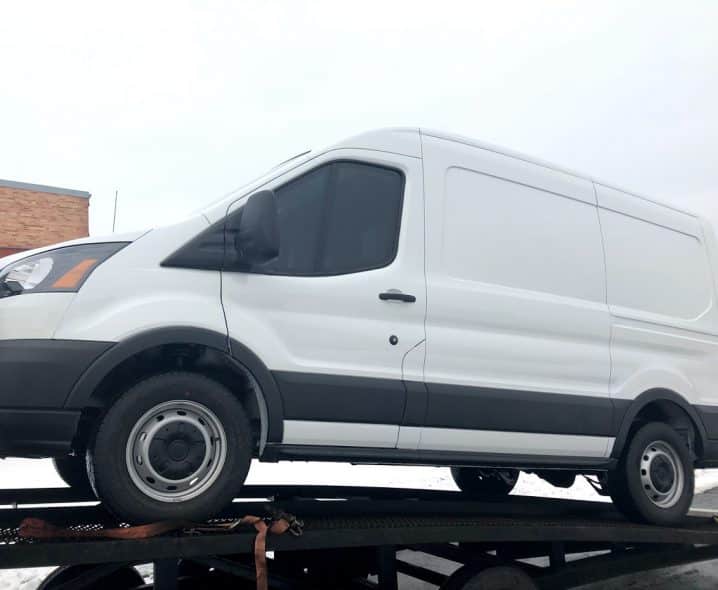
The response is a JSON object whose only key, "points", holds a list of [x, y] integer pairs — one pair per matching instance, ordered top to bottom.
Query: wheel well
{"points": [[195, 358], [671, 413]]}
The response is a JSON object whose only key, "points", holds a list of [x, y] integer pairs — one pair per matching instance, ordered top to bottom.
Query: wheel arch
{"points": [[91, 389], [664, 405]]}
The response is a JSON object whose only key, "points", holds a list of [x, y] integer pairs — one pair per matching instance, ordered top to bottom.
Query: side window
{"points": [[301, 208], [341, 218]]}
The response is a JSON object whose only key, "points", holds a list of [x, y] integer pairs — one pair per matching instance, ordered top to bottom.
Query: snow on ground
{"points": [[26, 473], [706, 479]]}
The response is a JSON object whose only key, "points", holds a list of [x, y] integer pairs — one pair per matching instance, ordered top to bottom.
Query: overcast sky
{"points": [[176, 103]]}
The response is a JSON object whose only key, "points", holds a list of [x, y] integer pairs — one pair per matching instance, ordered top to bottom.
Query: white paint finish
{"points": [[398, 140], [521, 170], [641, 208], [500, 232], [711, 243], [655, 270], [131, 293], [661, 294], [35, 315], [337, 324], [493, 335], [651, 356], [412, 365], [412, 369], [302, 432], [343, 434], [409, 438], [514, 443]]}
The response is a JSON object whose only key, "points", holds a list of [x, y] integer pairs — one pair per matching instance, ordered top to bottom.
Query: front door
{"points": [[333, 316]]}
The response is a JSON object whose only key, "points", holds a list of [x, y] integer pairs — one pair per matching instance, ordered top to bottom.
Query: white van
{"points": [[403, 297]]}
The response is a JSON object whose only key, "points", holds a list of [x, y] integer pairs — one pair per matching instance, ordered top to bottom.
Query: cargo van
{"points": [[402, 297]]}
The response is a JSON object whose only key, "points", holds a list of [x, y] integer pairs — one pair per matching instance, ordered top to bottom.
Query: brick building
{"points": [[34, 215]]}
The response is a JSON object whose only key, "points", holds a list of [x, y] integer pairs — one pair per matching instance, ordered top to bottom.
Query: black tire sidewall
{"points": [[107, 460], [73, 471], [469, 481], [641, 507], [471, 577], [124, 578]]}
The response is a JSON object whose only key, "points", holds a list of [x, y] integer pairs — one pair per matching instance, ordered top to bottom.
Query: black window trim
{"points": [[325, 216]]}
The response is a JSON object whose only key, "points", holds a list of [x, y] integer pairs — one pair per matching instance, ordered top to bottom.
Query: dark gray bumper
{"points": [[36, 376], [36, 433]]}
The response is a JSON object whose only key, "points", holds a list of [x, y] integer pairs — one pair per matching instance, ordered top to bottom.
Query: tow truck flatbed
{"points": [[368, 526]]}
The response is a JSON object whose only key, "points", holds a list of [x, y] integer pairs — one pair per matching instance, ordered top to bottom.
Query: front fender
{"points": [[82, 394]]}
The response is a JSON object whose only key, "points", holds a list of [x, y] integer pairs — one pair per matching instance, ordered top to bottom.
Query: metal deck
{"points": [[345, 517]]}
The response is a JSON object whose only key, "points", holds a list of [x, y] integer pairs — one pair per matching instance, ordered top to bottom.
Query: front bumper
{"points": [[36, 376], [36, 433]]}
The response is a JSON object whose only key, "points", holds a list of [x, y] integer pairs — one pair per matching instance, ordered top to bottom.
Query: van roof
{"points": [[396, 139]]}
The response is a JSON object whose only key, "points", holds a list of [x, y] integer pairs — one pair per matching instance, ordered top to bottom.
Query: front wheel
{"points": [[175, 446], [73, 471], [654, 480], [485, 482], [492, 578]]}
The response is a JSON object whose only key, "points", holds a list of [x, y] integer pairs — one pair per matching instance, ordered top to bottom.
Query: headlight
{"points": [[61, 270]]}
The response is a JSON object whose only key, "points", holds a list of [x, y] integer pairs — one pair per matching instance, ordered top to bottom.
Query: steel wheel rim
{"points": [[158, 470], [662, 477]]}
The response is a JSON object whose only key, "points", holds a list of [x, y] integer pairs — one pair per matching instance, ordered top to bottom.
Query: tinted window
{"points": [[301, 206], [341, 218]]}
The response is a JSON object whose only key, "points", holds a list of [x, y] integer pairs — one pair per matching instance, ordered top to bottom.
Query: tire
{"points": [[175, 446], [73, 471], [558, 478], [654, 480], [485, 482], [124, 578], [491, 578]]}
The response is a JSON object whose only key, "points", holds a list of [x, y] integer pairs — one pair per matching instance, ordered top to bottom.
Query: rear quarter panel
{"points": [[661, 294]]}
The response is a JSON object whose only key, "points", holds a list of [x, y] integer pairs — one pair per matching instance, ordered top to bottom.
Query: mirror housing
{"points": [[256, 238]]}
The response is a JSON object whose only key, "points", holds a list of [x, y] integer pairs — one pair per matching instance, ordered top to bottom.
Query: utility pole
{"points": [[114, 216]]}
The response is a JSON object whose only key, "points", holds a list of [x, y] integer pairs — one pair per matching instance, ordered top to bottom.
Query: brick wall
{"points": [[34, 215], [8, 251]]}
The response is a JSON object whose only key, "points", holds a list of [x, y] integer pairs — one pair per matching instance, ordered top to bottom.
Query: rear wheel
{"points": [[175, 446], [73, 471], [654, 480], [485, 482], [123, 578], [491, 578]]}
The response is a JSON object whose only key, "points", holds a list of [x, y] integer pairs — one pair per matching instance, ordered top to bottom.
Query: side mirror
{"points": [[257, 238]]}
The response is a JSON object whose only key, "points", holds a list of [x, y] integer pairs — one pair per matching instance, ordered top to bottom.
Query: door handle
{"points": [[397, 296]]}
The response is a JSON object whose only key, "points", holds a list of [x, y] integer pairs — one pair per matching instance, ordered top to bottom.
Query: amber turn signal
{"points": [[73, 277]]}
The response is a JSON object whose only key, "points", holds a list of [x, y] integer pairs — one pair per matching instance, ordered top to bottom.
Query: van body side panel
{"points": [[662, 298], [517, 324]]}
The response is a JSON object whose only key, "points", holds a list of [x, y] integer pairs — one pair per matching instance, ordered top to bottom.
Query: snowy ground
{"points": [[23, 473]]}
